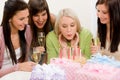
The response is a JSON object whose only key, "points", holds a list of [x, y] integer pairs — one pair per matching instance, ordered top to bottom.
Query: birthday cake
{"points": [[69, 66], [97, 68], [97, 72]]}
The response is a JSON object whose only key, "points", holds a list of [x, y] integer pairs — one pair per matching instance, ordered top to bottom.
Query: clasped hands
{"points": [[63, 42]]}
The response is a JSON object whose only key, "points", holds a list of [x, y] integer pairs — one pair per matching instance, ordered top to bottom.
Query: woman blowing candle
{"points": [[68, 33]]}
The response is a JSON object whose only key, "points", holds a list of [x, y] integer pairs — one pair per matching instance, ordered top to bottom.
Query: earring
{"points": [[9, 20]]}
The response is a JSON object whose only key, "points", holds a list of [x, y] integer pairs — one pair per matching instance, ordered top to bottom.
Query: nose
{"points": [[99, 14], [40, 18], [69, 29]]}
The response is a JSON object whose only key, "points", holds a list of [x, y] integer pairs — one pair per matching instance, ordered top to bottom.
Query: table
{"points": [[18, 75]]}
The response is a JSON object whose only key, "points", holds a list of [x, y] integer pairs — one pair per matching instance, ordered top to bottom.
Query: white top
{"points": [[7, 62]]}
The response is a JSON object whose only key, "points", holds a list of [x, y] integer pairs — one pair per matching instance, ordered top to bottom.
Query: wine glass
{"points": [[41, 39], [96, 42], [36, 56]]}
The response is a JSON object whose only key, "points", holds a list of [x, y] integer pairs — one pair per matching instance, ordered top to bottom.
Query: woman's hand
{"points": [[75, 40], [62, 41], [95, 45], [94, 48], [41, 49], [26, 66]]}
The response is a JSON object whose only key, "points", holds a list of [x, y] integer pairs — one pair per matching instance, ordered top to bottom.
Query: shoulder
{"points": [[53, 19], [28, 29], [1, 30], [85, 31], [1, 33], [28, 34], [51, 34], [2, 43]]}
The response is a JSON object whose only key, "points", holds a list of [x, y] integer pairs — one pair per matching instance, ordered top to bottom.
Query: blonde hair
{"points": [[69, 13]]}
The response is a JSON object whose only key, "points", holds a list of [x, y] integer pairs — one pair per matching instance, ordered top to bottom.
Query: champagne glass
{"points": [[41, 39], [96, 43], [36, 56]]}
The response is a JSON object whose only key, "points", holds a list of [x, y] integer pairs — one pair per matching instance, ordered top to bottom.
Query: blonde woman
{"points": [[68, 33]]}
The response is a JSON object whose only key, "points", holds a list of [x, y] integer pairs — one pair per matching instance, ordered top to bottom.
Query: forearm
{"points": [[52, 46], [87, 48], [51, 54], [5, 71]]}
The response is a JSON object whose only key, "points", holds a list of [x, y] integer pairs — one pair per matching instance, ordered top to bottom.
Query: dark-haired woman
{"points": [[108, 13], [41, 21], [15, 38]]}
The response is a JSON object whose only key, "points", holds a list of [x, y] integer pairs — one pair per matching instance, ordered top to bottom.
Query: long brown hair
{"points": [[35, 7], [10, 9], [114, 12]]}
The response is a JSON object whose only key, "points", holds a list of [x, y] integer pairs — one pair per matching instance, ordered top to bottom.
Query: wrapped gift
{"points": [[103, 59], [69, 66], [47, 72], [97, 72]]}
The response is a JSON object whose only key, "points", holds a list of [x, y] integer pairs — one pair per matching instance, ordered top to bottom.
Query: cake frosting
{"points": [[69, 66], [98, 67], [97, 72]]}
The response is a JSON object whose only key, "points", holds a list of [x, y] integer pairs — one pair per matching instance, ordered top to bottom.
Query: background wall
{"points": [[85, 9]]}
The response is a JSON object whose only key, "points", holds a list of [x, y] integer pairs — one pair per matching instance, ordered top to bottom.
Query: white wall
{"points": [[1, 9], [85, 9], [93, 18]]}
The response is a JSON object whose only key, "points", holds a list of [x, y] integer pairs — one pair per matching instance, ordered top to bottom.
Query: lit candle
{"points": [[69, 52], [60, 53], [80, 53]]}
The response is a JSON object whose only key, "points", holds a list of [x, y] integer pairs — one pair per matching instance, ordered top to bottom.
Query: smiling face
{"points": [[103, 14], [40, 19], [19, 20], [67, 27]]}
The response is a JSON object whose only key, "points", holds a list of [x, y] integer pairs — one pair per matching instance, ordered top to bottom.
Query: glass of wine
{"points": [[41, 39], [96, 42], [36, 56]]}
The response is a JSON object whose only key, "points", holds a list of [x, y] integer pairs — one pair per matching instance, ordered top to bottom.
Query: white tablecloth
{"points": [[18, 75]]}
